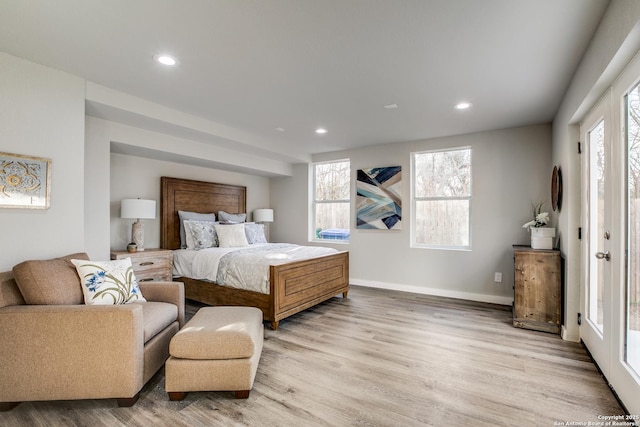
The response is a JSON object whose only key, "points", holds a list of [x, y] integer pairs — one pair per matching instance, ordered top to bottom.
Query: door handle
{"points": [[603, 255]]}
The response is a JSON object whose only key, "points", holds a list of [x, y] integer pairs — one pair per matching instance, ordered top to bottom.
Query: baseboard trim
{"points": [[492, 299], [567, 336]]}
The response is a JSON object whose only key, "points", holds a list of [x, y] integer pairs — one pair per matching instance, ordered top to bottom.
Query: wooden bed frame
{"points": [[293, 287]]}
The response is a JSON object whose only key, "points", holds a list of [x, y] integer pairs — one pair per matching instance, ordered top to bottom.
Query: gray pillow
{"points": [[185, 215], [227, 218], [255, 233], [203, 234]]}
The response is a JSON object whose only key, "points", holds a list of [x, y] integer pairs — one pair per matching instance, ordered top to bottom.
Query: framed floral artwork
{"points": [[25, 181]]}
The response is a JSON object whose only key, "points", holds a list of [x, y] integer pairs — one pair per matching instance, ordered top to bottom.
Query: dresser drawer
{"points": [[141, 264], [151, 265], [161, 275]]}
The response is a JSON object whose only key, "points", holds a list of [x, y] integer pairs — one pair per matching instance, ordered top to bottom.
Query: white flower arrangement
{"points": [[540, 219]]}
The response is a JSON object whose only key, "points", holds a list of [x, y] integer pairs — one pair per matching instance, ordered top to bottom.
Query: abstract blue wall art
{"points": [[379, 200]]}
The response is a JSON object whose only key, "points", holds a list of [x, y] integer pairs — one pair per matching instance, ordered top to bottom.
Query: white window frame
{"points": [[415, 199], [313, 201]]}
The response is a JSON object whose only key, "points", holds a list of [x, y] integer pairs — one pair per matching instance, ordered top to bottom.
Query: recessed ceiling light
{"points": [[165, 59], [463, 105], [391, 106], [280, 129], [321, 130]]}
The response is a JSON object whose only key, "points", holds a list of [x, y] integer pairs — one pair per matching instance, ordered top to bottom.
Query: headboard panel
{"points": [[196, 196]]}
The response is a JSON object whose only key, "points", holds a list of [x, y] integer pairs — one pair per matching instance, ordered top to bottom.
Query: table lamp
{"points": [[138, 209], [263, 215]]}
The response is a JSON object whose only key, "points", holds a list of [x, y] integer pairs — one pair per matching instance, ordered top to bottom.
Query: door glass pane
{"points": [[633, 222], [596, 223]]}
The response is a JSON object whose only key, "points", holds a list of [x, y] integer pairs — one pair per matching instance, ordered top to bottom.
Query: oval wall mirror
{"points": [[556, 188]]}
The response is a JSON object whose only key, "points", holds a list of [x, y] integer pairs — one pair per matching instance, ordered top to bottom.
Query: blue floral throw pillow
{"points": [[108, 282]]}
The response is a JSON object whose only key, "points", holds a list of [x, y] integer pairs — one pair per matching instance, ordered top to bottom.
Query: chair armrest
{"points": [[171, 292], [60, 352]]}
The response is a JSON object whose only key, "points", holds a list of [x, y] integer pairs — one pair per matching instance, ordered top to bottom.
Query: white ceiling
{"points": [[247, 67]]}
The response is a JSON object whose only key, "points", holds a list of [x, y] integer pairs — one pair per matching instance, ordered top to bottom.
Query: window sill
{"points": [[330, 241], [443, 248]]}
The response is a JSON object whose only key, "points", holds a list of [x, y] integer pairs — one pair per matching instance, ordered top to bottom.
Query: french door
{"points": [[611, 248], [599, 251], [631, 291]]}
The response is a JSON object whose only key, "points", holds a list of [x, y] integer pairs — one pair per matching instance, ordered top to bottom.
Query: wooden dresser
{"points": [[149, 265], [537, 288]]}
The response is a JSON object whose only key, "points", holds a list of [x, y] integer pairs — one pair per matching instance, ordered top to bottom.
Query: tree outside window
{"points": [[442, 199], [331, 200], [633, 225]]}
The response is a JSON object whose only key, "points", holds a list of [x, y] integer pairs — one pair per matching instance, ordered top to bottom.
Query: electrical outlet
{"points": [[498, 277]]}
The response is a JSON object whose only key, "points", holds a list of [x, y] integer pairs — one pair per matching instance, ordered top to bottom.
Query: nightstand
{"points": [[150, 265], [537, 289]]}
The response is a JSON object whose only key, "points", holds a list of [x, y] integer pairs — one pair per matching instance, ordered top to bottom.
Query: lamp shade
{"points": [[138, 208], [263, 215]]}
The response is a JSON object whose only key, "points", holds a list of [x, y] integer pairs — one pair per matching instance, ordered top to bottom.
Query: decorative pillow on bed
{"points": [[186, 215], [227, 218], [255, 233], [202, 234], [231, 236], [188, 238], [108, 282]]}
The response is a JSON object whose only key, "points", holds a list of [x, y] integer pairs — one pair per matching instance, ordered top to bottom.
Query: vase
{"points": [[542, 237]]}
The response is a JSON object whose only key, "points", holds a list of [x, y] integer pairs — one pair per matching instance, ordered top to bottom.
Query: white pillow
{"points": [[203, 234], [231, 236], [188, 238], [108, 282]]}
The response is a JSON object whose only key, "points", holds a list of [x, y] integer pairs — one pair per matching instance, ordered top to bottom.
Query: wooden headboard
{"points": [[195, 196]]}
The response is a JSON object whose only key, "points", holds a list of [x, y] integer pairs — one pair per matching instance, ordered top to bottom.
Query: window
{"points": [[331, 198], [441, 199]]}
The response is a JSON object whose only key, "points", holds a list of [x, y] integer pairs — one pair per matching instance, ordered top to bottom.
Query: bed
{"points": [[293, 286]]}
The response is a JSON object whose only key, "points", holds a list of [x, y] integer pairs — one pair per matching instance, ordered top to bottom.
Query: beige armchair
{"points": [[75, 351]]}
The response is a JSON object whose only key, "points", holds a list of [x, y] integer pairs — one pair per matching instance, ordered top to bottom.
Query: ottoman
{"points": [[217, 350]]}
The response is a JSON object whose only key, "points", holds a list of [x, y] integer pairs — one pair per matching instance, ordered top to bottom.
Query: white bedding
{"points": [[245, 268]]}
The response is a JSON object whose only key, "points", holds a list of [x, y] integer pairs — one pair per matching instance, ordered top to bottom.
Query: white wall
{"points": [[615, 42], [42, 114], [511, 168], [114, 176], [133, 177], [97, 188]]}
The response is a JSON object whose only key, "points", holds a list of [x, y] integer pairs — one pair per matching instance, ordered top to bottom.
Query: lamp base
{"points": [[266, 231], [137, 234]]}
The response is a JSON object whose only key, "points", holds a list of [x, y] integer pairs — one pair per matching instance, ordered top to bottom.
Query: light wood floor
{"points": [[378, 358]]}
